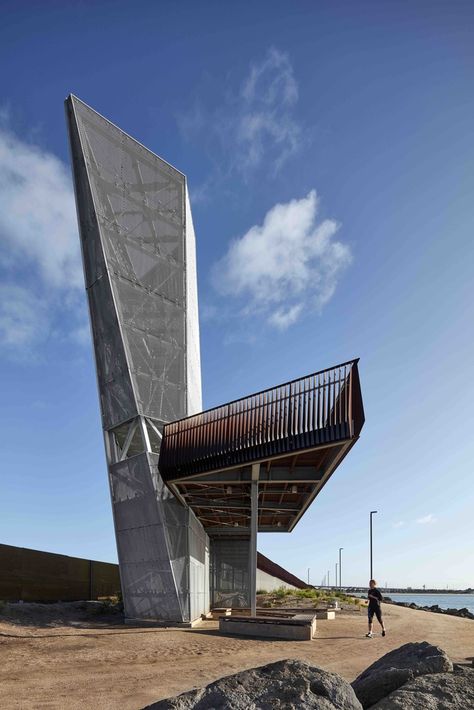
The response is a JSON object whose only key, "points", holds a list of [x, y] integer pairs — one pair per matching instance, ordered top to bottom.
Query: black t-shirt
{"points": [[374, 603]]}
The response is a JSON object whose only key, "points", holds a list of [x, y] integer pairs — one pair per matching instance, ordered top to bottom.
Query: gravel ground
{"points": [[57, 657]]}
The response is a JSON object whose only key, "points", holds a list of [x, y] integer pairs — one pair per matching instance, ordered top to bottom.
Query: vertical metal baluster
{"points": [[308, 393], [291, 397], [346, 398], [331, 399], [340, 402], [350, 402], [316, 403], [310, 404], [300, 408], [226, 413], [265, 418], [324, 420], [254, 422], [237, 424], [234, 428], [245, 428], [228, 435], [250, 435], [202, 437], [271, 438], [214, 439], [182, 441], [188, 442]]}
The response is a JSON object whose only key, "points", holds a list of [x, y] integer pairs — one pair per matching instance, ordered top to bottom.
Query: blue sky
{"points": [[350, 124]]}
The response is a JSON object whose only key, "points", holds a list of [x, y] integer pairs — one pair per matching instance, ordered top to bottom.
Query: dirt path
{"points": [[126, 668]]}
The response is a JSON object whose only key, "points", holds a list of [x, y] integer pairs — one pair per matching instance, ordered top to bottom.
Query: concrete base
{"points": [[290, 613], [216, 614], [329, 614], [162, 624], [301, 627]]}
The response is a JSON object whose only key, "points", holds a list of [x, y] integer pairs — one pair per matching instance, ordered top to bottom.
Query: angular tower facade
{"points": [[138, 248]]}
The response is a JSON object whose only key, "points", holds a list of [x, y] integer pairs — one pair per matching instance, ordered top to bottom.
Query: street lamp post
{"points": [[372, 512], [340, 568], [336, 573], [308, 576], [328, 579]]}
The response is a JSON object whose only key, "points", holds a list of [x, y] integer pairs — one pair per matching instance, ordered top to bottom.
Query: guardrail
{"points": [[305, 413]]}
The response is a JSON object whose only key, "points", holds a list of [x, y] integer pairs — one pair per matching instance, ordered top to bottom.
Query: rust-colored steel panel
{"points": [[320, 409], [36, 576]]}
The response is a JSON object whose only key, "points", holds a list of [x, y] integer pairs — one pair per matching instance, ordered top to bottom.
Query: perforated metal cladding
{"points": [[139, 202], [140, 272], [115, 387], [198, 567], [229, 572]]}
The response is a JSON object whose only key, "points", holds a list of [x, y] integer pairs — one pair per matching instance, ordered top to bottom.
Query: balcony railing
{"points": [[306, 413]]}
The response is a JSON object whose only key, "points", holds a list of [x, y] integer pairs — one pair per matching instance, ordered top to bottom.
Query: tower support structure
{"points": [[138, 248]]}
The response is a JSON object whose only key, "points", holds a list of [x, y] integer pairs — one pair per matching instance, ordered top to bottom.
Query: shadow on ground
{"points": [[82, 614]]}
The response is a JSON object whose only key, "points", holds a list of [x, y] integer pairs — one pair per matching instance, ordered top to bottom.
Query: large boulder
{"points": [[397, 668], [284, 685], [442, 691]]}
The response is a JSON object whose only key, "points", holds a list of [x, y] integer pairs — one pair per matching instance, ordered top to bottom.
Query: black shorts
{"points": [[377, 611]]}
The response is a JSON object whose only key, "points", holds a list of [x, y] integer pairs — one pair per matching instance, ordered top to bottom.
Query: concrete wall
{"points": [[268, 583]]}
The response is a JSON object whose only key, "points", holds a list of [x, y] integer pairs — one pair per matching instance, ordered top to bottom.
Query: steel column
{"points": [[372, 512], [253, 539], [340, 569]]}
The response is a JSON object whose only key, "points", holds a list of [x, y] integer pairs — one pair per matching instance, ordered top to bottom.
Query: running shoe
{"points": [[383, 632], [369, 635]]}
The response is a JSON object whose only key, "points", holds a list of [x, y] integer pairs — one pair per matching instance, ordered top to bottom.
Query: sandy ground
{"points": [[104, 665]]}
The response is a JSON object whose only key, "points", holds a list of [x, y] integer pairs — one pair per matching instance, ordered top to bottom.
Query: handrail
{"points": [[269, 389], [301, 413]]}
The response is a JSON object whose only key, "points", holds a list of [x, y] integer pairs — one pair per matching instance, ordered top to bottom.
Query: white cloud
{"points": [[253, 127], [266, 127], [37, 213], [39, 246], [287, 264], [284, 317], [23, 320], [81, 334], [430, 518], [398, 524]]}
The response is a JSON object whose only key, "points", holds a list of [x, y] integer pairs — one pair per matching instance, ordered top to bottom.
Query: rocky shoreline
{"points": [[463, 613], [415, 676]]}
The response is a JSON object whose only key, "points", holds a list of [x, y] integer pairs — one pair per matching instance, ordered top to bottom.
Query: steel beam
{"points": [[128, 440], [240, 475], [243, 504], [241, 530]]}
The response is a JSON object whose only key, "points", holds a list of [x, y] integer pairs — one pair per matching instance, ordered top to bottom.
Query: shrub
{"points": [[307, 593]]}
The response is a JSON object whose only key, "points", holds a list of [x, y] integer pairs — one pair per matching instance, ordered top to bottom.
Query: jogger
{"points": [[375, 597]]}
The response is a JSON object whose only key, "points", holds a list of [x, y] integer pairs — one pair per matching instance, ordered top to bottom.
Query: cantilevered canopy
{"points": [[298, 433]]}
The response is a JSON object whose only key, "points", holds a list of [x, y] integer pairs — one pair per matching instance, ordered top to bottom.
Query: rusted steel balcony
{"points": [[310, 412], [298, 432]]}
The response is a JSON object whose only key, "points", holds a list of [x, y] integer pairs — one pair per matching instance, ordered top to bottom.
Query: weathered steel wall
{"points": [[36, 576]]}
